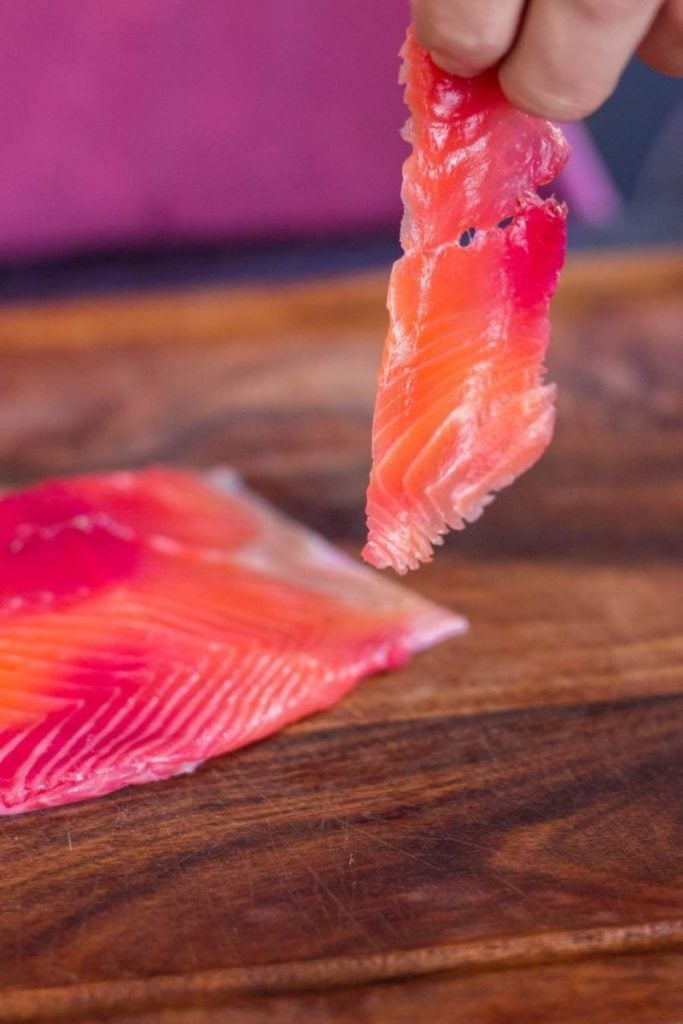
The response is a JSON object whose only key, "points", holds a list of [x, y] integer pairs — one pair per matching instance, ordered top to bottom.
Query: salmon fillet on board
{"points": [[150, 620]]}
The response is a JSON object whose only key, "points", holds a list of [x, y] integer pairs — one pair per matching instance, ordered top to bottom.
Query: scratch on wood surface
{"points": [[325, 808], [245, 858], [345, 910]]}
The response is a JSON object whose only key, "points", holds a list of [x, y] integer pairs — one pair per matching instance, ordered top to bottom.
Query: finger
{"points": [[466, 37], [662, 47], [570, 54]]}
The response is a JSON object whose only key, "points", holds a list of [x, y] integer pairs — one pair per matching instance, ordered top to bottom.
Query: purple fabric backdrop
{"points": [[152, 120], [127, 122]]}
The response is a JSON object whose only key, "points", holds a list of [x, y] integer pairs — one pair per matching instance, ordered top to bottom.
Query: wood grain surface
{"points": [[492, 834]]}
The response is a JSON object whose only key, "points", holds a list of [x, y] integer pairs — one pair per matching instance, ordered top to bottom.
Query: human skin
{"points": [[559, 59]]}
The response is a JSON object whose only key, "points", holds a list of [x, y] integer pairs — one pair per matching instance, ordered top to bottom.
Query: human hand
{"points": [[558, 58]]}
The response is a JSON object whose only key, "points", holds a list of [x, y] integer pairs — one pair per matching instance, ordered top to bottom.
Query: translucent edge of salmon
{"points": [[284, 542], [411, 543]]}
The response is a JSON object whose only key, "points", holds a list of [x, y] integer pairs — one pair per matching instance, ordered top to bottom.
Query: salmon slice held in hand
{"points": [[461, 406], [151, 620]]}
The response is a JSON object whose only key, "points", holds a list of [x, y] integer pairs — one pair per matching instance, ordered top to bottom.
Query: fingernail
{"points": [[452, 66]]}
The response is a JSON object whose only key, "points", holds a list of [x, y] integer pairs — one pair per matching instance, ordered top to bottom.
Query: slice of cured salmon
{"points": [[461, 407], [151, 620]]}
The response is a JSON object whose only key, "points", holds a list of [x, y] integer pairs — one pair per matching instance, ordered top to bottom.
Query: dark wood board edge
{"points": [[638, 987], [101, 999]]}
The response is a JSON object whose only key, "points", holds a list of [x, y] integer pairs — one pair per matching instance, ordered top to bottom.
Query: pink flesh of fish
{"points": [[151, 620]]}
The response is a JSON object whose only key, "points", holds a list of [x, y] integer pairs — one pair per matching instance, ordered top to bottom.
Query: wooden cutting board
{"points": [[492, 834]]}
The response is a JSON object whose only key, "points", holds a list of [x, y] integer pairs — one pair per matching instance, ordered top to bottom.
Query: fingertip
{"points": [[465, 39], [662, 48], [569, 56], [664, 62], [535, 99]]}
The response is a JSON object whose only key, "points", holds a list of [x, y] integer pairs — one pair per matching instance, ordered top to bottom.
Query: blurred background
{"points": [[156, 142]]}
